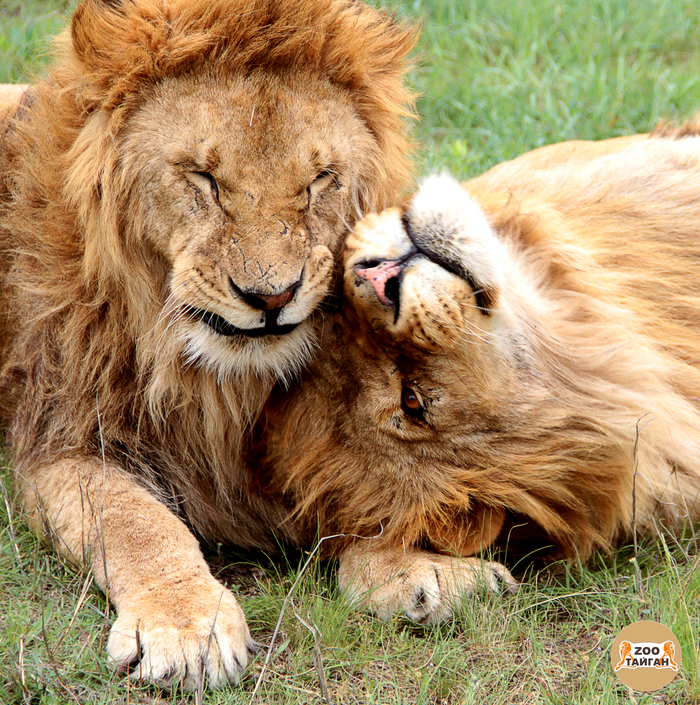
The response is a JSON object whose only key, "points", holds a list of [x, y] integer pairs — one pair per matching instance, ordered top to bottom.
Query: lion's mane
{"points": [[86, 369], [585, 428]]}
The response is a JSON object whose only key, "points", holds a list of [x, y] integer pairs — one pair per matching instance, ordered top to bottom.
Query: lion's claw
{"points": [[426, 587], [205, 636]]}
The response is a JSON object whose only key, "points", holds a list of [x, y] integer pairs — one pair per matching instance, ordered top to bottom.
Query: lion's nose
{"points": [[266, 302]]}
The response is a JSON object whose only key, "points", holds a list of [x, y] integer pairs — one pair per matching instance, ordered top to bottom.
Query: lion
{"points": [[174, 197], [516, 363]]}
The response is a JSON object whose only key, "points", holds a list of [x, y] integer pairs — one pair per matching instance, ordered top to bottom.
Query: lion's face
{"points": [[217, 154], [248, 188], [426, 287], [508, 356], [420, 377], [429, 415]]}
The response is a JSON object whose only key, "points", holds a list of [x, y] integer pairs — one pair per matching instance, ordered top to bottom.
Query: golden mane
{"points": [[94, 352]]}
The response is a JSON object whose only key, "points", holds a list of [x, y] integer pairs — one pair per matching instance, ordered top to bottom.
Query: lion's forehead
{"points": [[253, 135]]}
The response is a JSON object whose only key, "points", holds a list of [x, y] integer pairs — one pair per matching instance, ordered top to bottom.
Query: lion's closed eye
{"points": [[324, 179], [205, 182]]}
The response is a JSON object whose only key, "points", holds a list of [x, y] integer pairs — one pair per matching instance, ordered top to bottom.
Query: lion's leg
{"points": [[426, 587], [175, 620]]}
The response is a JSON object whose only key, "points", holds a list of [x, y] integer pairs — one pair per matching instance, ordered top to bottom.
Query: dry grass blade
{"points": [[10, 522], [637, 569], [87, 584], [287, 598], [556, 598], [51, 653], [318, 658], [26, 695]]}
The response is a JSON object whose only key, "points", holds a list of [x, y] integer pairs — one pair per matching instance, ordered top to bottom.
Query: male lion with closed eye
{"points": [[172, 200], [520, 350]]}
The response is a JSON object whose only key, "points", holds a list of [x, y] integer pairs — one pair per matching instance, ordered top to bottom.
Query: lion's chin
{"points": [[280, 351]]}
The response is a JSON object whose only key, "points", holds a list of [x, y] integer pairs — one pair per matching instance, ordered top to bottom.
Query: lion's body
{"points": [[10, 95], [173, 198], [510, 353]]}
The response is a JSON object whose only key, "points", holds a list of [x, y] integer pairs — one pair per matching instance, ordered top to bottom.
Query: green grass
{"points": [[25, 32], [497, 78], [550, 643]]}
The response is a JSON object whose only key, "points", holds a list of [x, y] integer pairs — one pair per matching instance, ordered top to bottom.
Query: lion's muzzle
{"points": [[384, 277]]}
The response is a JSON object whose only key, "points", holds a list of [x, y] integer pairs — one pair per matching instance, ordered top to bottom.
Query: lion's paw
{"points": [[427, 587], [182, 634]]}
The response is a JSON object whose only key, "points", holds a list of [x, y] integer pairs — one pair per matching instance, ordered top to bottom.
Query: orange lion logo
{"points": [[625, 651], [670, 651], [647, 655]]}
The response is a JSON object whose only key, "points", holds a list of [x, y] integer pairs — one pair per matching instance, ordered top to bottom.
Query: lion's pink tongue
{"points": [[378, 276]]}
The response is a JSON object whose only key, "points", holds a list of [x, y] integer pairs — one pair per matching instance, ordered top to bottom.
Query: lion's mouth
{"points": [[386, 276], [221, 326]]}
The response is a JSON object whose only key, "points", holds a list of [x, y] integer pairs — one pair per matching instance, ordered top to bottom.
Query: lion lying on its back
{"points": [[172, 200], [509, 352]]}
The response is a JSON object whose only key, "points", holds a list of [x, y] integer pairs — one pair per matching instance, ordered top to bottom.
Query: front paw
{"points": [[426, 587], [181, 633]]}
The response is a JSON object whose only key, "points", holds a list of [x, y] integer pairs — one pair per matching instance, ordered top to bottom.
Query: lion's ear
{"points": [[83, 28], [96, 29], [117, 43]]}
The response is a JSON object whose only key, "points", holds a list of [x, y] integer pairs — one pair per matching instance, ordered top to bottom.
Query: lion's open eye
{"points": [[411, 404]]}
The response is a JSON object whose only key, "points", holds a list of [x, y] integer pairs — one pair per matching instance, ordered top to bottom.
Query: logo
{"points": [[646, 656]]}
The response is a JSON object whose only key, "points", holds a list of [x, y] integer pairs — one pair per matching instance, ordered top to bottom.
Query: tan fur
{"points": [[10, 96], [185, 163], [560, 353], [426, 587]]}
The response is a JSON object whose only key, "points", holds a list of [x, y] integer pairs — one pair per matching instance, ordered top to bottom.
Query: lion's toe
{"points": [[501, 579], [441, 583], [428, 588], [423, 601], [170, 646]]}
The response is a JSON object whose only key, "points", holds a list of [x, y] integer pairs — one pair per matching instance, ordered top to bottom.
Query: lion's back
{"points": [[625, 214]]}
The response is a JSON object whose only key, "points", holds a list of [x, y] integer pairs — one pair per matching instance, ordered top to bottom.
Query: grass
{"points": [[26, 28], [497, 78], [550, 643]]}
